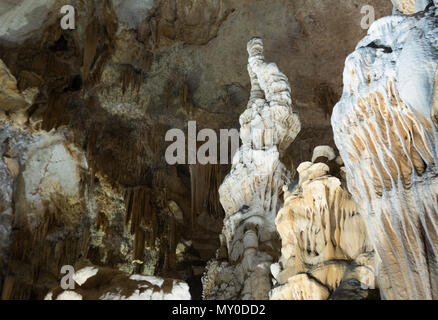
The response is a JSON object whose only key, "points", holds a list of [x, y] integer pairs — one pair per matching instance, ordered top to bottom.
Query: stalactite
{"points": [[90, 47], [131, 79], [204, 181], [214, 205], [139, 215], [147, 226], [172, 236]]}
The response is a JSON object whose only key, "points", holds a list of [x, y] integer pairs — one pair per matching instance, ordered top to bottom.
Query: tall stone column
{"points": [[250, 194]]}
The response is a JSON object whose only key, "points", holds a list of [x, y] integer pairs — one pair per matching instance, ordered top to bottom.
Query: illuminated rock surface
{"points": [[384, 128], [250, 193], [323, 237], [92, 283]]}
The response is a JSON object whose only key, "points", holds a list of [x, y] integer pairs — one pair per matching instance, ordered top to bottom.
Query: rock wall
{"points": [[410, 6], [384, 128], [250, 194], [54, 211]]}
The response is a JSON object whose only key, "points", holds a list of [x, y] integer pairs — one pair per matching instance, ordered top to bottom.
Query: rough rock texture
{"points": [[410, 6], [20, 19], [169, 58], [110, 89], [14, 103], [384, 129], [250, 193], [43, 202], [52, 212], [323, 236], [93, 283]]}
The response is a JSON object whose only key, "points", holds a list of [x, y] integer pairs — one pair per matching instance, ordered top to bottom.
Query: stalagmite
{"points": [[410, 6], [13, 103], [384, 129], [250, 194], [322, 233]]}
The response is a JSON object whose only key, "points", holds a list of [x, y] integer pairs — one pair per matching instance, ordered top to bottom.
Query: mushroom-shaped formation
{"points": [[383, 127], [250, 194]]}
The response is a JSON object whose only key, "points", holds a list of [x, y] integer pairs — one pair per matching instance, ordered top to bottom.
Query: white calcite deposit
{"points": [[410, 6], [132, 12], [384, 129], [250, 194], [322, 234], [94, 283]]}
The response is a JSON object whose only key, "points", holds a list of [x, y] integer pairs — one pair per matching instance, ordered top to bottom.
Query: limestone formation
{"points": [[410, 6], [18, 19], [13, 103], [92, 106], [384, 129], [324, 152], [250, 194], [45, 210], [52, 212], [322, 234], [93, 283], [300, 287]]}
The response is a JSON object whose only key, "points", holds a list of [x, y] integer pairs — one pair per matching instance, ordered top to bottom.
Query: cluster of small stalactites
{"points": [[410, 6]]}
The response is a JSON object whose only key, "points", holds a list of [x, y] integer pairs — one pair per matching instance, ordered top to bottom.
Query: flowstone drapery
{"points": [[384, 129], [250, 194]]}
